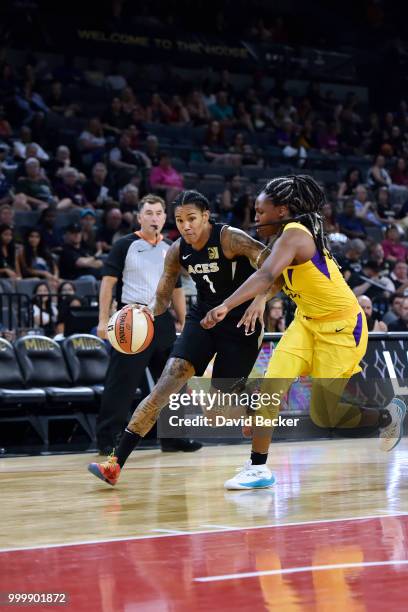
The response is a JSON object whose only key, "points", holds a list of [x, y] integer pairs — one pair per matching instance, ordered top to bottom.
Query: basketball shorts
{"points": [[320, 349], [235, 352]]}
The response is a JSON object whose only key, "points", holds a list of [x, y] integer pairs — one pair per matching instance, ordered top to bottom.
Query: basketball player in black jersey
{"points": [[218, 258]]}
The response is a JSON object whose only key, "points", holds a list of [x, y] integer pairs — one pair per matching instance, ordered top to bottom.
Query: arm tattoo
{"points": [[236, 243], [266, 251], [167, 280]]}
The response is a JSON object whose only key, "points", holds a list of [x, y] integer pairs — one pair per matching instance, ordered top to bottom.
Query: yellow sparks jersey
{"points": [[317, 286]]}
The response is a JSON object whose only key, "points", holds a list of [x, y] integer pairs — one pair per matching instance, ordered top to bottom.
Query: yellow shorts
{"points": [[327, 349]]}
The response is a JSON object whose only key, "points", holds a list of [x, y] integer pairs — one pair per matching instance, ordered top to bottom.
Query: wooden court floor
{"points": [[336, 504]]}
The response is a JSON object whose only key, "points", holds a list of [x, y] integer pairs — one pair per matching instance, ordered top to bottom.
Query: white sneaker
{"points": [[391, 435], [251, 477]]}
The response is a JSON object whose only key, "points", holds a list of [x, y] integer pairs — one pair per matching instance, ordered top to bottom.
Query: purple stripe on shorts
{"points": [[320, 262], [290, 273], [358, 329]]}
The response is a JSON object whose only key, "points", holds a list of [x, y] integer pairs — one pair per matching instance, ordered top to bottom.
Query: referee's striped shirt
{"points": [[138, 266]]}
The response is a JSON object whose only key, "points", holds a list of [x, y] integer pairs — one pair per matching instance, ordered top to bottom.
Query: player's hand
{"points": [[145, 309], [253, 313], [214, 316], [101, 330]]}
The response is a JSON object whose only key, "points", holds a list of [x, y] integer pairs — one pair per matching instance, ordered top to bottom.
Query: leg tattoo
{"points": [[175, 374]]}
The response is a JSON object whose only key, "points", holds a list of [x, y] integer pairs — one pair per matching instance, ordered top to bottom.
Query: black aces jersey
{"points": [[214, 276]]}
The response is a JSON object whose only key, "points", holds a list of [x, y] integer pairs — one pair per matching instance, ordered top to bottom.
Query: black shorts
{"points": [[236, 352]]}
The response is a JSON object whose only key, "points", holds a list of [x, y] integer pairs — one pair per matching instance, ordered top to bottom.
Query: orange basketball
{"points": [[130, 330]]}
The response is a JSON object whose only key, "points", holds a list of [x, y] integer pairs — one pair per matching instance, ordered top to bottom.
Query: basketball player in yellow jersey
{"points": [[328, 336]]}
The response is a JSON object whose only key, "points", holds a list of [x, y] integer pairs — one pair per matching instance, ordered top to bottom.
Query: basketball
{"points": [[130, 330]]}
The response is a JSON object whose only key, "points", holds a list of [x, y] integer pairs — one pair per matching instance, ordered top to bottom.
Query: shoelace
{"points": [[111, 462], [247, 468]]}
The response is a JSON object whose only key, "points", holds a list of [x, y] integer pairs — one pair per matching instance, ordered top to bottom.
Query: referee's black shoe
{"points": [[174, 445]]}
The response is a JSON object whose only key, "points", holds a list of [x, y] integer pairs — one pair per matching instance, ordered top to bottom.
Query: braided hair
{"points": [[191, 197], [305, 199]]}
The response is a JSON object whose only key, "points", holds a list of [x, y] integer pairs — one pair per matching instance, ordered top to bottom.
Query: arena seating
{"points": [[42, 381]]}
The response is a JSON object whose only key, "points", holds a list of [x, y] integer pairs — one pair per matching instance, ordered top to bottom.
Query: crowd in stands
{"points": [[78, 149]]}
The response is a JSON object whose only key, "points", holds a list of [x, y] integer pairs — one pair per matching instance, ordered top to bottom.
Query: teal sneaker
{"points": [[251, 477]]}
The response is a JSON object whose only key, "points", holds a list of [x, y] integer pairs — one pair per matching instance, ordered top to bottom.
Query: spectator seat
{"points": [[87, 358], [43, 365], [12, 385], [18, 404]]}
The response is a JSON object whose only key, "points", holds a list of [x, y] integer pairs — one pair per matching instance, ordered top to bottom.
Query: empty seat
{"points": [[55, 122], [198, 135], [263, 139], [181, 150], [274, 151], [316, 155], [179, 164], [200, 167], [207, 168], [276, 171], [254, 172], [326, 176], [214, 177], [191, 181], [211, 188], [26, 218], [65, 219], [375, 233], [7, 285], [26, 285], [85, 287], [87, 358], [43, 365], [12, 385], [18, 404]]}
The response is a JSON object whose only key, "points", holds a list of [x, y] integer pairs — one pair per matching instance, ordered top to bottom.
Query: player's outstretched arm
{"points": [[283, 253], [167, 280]]}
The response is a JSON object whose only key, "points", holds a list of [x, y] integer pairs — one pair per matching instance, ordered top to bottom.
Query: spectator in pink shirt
{"points": [[166, 179], [393, 249]]}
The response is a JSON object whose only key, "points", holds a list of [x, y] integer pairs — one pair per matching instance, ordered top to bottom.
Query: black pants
{"points": [[125, 374]]}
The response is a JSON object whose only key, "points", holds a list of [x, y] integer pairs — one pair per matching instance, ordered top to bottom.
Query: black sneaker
{"points": [[174, 445]]}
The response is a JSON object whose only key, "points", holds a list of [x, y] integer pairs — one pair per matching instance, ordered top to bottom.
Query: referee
{"points": [[135, 264]]}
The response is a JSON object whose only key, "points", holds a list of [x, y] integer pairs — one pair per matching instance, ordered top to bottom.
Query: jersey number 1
{"points": [[206, 277]]}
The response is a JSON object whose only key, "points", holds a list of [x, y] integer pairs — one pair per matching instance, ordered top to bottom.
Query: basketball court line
{"points": [[214, 526], [171, 531], [201, 532], [297, 570]]}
